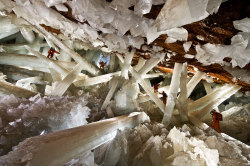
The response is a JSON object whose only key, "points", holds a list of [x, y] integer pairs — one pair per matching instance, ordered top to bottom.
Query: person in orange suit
{"points": [[51, 52], [102, 64], [156, 86], [164, 97], [217, 117]]}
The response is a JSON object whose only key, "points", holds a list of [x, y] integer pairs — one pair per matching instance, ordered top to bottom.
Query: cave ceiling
{"points": [[216, 29]]}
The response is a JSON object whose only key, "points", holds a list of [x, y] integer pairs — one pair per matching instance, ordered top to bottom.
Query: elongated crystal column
{"points": [[7, 28], [28, 34], [31, 61], [48, 61], [112, 63], [127, 63], [140, 64], [150, 64], [88, 66], [97, 79], [29, 80], [194, 81], [63, 85], [144, 85], [174, 86], [8, 88], [208, 89], [110, 94], [144, 98], [182, 98], [217, 100], [204, 101], [226, 114], [197, 122], [59, 147]]}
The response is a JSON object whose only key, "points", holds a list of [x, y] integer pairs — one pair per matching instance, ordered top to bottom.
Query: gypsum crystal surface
{"points": [[180, 12], [116, 17], [124, 45], [238, 50], [23, 118], [155, 145], [40, 150]]}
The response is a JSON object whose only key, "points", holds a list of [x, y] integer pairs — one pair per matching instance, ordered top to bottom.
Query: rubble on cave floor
{"points": [[154, 144]]}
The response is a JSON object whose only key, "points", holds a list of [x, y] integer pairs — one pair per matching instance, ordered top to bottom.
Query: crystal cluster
{"points": [[113, 19], [88, 34], [238, 51], [22, 118], [152, 144]]}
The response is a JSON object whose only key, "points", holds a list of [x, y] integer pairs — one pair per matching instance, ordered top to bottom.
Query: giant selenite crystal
{"points": [[176, 13], [22, 118], [59, 147]]}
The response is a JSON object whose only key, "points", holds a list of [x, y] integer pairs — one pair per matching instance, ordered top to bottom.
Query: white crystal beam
{"points": [[176, 13], [7, 28], [28, 34], [3, 35], [19, 46], [30, 61], [49, 62], [112, 63], [127, 63], [140, 64], [150, 64], [87, 65], [55, 75], [153, 75], [97, 79], [34, 80], [194, 81], [144, 85], [61, 87], [174, 87], [8, 88], [165, 89], [208, 89], [110, 94], [151, 94], [144, 98], [182, 98], [204, 101], [216, 101], [226, 114], [197, 122], [60, 147]]}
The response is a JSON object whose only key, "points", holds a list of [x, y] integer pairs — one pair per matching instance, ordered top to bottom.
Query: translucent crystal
{"points": [[50, 3], [213, 6], [143, 7], [197, 8], [177, 13], [243, 25], [7, 28], [28, 34], [180, 34], [170, 40], [187, 46], [237, 51], [63, 85], [8, 88], [172, 95], [192, 147], [35, 150]]}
